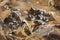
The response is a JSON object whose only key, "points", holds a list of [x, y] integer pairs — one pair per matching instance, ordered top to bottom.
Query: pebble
{"points": [[37, 2], [6, 7], [42, 12], [41, 17], [24, 20], [10, 34]]}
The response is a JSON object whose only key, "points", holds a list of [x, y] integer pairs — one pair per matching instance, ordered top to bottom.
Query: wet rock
{"points": [[32, 11], [45, 19], [13, 20], [37, 23], [27, 31]]}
